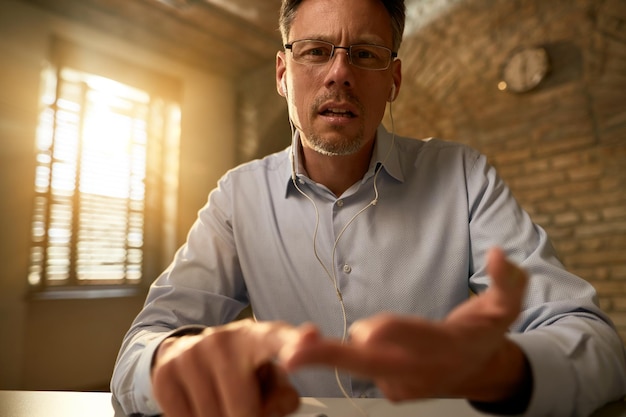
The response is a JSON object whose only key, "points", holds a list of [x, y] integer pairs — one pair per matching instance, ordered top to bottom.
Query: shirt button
{"points": [[301, 181], [340, 203], [347, 269]]}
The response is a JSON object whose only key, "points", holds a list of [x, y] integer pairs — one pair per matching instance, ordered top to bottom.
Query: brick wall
{"points": [[560, 147]]}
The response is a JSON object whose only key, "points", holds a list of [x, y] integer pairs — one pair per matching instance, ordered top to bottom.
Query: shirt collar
{"points": [[385, 154]]}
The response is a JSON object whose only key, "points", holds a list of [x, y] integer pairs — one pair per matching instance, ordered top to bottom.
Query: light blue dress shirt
{"points": [[418, 251]]}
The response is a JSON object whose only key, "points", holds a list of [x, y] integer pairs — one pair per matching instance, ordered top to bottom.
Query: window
{"points": [[105, 179]]}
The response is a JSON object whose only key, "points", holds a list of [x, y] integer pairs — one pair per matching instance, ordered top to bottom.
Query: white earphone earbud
{"points": [[283, 86], [392, 93]]}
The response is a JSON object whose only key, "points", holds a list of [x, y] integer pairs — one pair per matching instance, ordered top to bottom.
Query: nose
{"points": [[347, 52], [341, 70]]}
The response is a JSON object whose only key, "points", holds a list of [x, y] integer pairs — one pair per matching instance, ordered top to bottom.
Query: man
{"points": [[356, 250]]}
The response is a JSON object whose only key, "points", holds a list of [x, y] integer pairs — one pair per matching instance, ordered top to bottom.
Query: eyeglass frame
{"points": [[392, 54]]}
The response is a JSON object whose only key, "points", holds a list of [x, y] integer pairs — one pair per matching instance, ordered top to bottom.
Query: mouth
{"points": [[337, 112]]}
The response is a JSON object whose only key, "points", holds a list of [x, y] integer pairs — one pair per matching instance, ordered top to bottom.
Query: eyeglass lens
{"points": [[319, 52]]}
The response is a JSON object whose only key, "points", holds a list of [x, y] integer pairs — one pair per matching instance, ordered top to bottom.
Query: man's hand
{"points": [[466, 355], [227, 371]]}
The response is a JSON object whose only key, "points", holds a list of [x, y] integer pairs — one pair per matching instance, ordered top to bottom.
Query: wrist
{"points": [[169, 339], [506, 383]]}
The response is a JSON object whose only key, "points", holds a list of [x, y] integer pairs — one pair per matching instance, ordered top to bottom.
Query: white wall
{"points": [[71, 344]]}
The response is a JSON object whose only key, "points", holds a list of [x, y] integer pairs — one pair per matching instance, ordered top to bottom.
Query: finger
{"points": [[508, 283], [283, 336], [308, 338], [377, 346], [373, 361], [229, 362], [237, 375], [266, 375], [182, 390], [239, 394], [277, 394], [171, 397], [204, 399]]}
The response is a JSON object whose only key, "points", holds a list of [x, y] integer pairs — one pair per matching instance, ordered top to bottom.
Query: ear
{"points": [[281, 70], [397, 79], [283, 87], [392, 93]]}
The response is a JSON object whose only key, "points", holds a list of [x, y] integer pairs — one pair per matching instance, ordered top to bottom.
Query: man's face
{"points": [[337, 106]]}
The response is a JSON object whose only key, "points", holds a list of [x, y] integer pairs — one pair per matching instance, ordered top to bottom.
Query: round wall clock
{"points": [[525, 69]]}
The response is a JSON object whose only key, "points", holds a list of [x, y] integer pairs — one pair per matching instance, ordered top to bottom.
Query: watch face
{"points": [[525, 69]]}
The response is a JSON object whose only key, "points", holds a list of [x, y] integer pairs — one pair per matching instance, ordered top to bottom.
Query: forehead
{"points": [[342, 21]]}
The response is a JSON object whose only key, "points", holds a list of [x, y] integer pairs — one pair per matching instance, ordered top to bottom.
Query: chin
{"points": [[335, 143], [337, 149]]}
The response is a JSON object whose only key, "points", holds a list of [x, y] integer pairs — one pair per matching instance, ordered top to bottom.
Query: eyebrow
{"points": [[367, 40]]}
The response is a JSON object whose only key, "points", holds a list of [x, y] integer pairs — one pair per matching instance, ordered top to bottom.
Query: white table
{"points": [[100, 404]]}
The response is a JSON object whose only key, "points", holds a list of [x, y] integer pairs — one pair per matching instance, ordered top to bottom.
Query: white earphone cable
{"points": [[333, 276]]}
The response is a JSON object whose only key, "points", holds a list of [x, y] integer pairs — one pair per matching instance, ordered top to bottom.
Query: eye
{"points": [[317, 49], [365, 53]]}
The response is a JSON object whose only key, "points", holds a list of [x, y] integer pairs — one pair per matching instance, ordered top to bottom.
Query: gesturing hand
{"points": [[466, 355], [226, 371]]}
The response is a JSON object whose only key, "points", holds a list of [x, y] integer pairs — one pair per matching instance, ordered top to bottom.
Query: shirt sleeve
{"points": [[202, 285], [576, 357]]}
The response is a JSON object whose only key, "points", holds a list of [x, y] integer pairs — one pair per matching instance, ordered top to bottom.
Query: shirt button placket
{"points": [[345, 268]]}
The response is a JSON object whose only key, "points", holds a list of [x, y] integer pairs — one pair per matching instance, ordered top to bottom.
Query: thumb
{"points": [[508, 283]]}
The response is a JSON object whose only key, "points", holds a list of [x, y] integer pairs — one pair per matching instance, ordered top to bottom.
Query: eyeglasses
{"points": [[366, 56]]}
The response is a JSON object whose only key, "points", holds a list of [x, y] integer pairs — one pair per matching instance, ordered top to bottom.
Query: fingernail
{"points": [[354, 326]]}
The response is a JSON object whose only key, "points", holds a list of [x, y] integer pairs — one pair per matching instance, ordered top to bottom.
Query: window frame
{"points": [[160, 195]]}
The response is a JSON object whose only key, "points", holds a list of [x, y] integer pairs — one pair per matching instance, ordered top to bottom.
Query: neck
{"points": [[337, 173]]}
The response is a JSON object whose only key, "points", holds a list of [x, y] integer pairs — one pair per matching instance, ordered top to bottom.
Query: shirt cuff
{"points": [[550, 368], [143, 373]]}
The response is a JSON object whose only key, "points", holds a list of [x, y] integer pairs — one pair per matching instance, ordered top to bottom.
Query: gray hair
{"points": [[396, 9]]}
